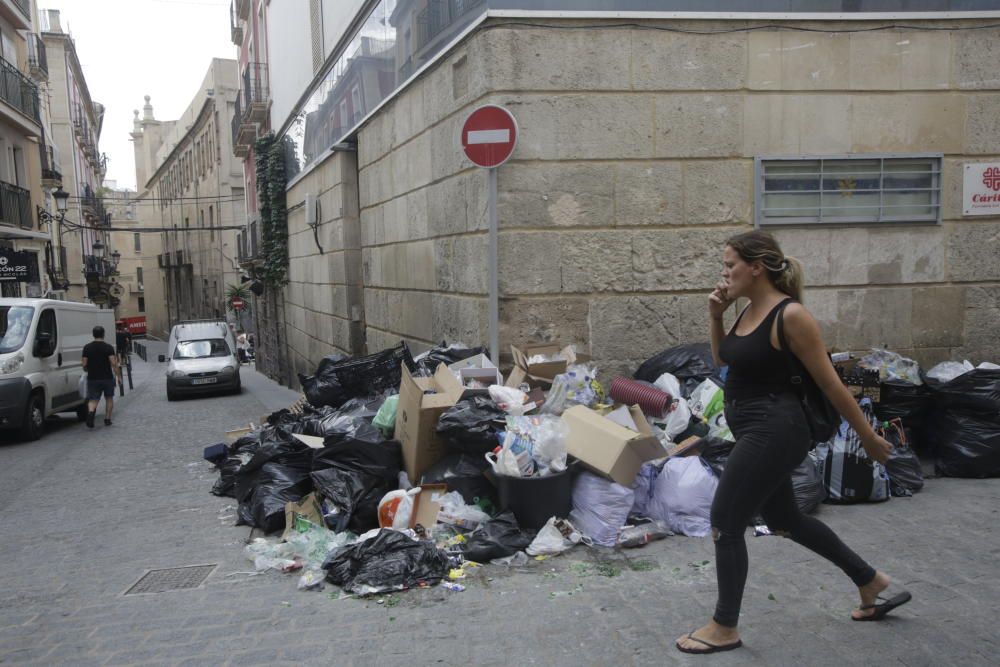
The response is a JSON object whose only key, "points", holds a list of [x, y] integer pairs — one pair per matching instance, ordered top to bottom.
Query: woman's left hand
{"points": [[877, 448]]}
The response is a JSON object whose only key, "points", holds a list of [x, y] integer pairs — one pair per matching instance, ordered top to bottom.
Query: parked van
{"points": [[41, 344], [202, 358]]}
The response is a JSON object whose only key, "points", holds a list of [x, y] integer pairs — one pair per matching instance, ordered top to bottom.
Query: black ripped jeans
{"points": [[772, 438]]}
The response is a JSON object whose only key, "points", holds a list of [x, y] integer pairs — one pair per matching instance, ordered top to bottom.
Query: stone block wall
{"points": [[635, 163], [323, 301]]}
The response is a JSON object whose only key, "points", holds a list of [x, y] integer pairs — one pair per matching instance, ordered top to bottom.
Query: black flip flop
{"points": [[884, 607], [710, 648]]}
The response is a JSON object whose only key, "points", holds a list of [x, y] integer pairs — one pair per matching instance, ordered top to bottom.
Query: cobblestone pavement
{"points": [[83, 514]]}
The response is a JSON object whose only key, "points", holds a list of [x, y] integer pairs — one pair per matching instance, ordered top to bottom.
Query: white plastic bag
{"points": [[947, 371], [81, 386], [510, 400], [707, 402], [679, 416], [682, 496], [600, 508], [396, 509], [454, 511], [555, 537]]}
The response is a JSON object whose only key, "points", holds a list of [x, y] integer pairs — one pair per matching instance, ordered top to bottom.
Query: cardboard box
{"points": [[479, 369], [541, 375], [421, 402], [236, 434], [689, 446], [608, 448], [427, 504], [298, 515]]}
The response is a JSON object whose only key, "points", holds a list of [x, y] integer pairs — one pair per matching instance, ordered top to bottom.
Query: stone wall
{"points": [[635, 163], [323, 301]]}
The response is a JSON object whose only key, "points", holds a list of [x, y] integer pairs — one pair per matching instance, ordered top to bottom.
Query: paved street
{"points": [[85, 513]]}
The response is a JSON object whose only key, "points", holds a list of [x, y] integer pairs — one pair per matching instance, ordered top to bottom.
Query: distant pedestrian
{"points": [[123, 342], [243, 348], [101, 365], [772, 433]]}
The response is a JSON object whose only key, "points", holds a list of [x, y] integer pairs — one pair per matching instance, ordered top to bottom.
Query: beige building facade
{"points": [[76, 122], [642, 148], [191, 192]]}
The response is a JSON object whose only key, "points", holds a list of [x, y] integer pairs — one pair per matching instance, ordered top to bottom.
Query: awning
{"points": [[17, 233]]}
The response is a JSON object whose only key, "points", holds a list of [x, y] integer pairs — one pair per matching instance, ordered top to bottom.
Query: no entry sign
{"points": [[489, 136], [237, 303]]}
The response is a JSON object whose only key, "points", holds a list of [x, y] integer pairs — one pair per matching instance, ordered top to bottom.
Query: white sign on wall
{"points": [[981, 189]]}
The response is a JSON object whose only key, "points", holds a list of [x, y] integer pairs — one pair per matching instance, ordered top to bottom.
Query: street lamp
{"points": [[62, 201], [98, 249], [115, 258]]}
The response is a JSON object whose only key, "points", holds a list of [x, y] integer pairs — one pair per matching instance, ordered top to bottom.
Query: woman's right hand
{"points": [[719, 301]]}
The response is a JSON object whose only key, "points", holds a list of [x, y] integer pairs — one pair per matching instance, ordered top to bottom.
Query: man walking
{"points": [[101, 365]]}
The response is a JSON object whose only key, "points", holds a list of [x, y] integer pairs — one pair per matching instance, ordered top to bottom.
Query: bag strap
{"points": [[793, 363]]}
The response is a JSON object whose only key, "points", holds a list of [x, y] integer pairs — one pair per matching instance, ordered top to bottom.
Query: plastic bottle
{"points": [[636, 536]]}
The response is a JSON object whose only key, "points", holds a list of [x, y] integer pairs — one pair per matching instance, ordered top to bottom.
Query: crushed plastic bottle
{"points": [[636, 536]]}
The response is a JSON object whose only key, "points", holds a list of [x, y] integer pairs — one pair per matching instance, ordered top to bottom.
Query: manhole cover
{"points": [[171, 579]]}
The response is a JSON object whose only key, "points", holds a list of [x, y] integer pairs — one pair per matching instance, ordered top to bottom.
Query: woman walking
{"points": [[772, 435]]}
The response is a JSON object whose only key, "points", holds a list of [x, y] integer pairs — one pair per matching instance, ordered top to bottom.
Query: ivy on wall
{"points": [[271, 182]]}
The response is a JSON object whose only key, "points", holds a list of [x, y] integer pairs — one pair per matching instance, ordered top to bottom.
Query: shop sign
{"points": [[981, 189], [16, 266]]}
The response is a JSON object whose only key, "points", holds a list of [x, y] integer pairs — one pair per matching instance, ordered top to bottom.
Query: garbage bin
{"points": [[534, 500]]}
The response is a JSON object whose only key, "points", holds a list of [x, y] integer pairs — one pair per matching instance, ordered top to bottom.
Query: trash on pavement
{"points": [[690, 364], [538, 365], [339, 379], [578, 385], [422, 400], [653, 401], [678, 416], [385, 419], [964, 424], [470, 425], [609, 448], [464, 474], [848, 474], [355, 475], [906, 476], [807, 484], [682, 496], [533, 500], [600, 508], [454, 511], [303, 515], [641, 534], [555, 537], [497, 538], [389, 561]]}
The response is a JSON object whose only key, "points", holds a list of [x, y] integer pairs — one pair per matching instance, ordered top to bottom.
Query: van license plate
{"points": [[205, 381]]}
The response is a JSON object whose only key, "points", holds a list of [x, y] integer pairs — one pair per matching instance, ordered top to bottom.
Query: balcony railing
{"points": [[24, 6], [243, 9], [235, 27], [38, 62], [18, 91], [255, 92], [80, 124], [244, 133], [51, 172], [15, 205], [93, 205]]}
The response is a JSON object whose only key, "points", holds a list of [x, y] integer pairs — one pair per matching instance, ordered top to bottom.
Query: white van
{"points": [[41, 342], [202, 356]]}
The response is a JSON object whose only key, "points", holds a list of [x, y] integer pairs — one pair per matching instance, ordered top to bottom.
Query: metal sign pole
{"points": [[494, 277]]}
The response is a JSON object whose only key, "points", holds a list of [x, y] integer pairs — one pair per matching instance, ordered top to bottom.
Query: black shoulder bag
{"points": [[822, 417]]}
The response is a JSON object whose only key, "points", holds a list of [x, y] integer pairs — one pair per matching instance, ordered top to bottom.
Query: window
{"points": [[848, 190], [211, 223], [137, 241], [138, 275], [142, 304], [46, 327]]}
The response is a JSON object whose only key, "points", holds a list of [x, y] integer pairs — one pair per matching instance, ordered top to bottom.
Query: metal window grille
{"points": [[846, 190]]}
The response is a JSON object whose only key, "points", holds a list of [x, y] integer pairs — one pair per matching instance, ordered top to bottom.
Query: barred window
{"points": [[857, 189]]}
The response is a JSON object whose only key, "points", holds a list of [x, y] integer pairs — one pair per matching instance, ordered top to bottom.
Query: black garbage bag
{"points": [[442, 354], [691, 364], [337, 381], [909, 402], [964, 425], [470, 426], [336, 427], [275, 444], [715, 452], [464, 474], [354, 475], [807, 483], [226, 484], [276, 484], [497, 538], [390, 561]]}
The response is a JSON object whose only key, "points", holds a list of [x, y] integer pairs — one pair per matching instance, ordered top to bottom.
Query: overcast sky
{"points": [[131, 48]]}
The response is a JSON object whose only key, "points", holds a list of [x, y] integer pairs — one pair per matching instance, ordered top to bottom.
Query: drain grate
{"points": [[171, 579]]}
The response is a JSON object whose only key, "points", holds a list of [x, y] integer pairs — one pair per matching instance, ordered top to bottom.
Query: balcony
{"points": [[243, 9], [235, 27], [38, 62], [19, 91], [255, 92], [80, 124], [244, 133], [51, 171], [15, 206], [93, 206], [249, 247], [165, 260]]}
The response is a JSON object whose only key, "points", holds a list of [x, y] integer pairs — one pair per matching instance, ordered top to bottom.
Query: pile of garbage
{"points": [[397, 472]]}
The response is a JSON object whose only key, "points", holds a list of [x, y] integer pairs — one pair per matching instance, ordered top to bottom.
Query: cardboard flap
{"points": [[478, 361], [641, 423], [236, 434], [426, 505]]}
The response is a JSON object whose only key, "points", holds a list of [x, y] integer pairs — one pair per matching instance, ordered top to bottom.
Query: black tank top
{"points": [[755, 367]]}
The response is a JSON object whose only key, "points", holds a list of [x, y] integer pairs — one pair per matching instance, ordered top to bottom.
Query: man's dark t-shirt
{"points": [[123, 340], [98, 363]]}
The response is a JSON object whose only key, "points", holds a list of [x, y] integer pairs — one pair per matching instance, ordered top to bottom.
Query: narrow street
{"points": [[84, 514]]}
